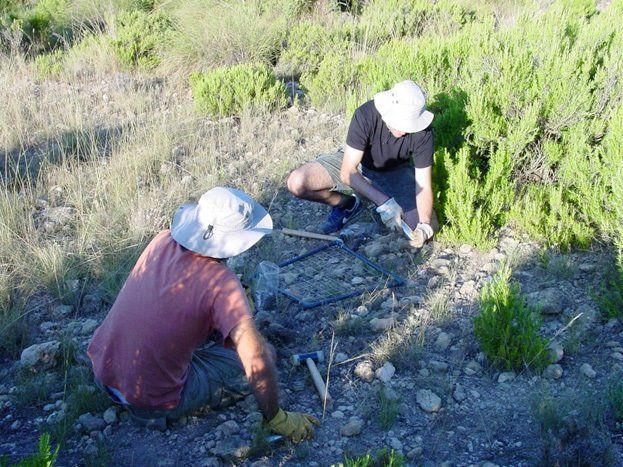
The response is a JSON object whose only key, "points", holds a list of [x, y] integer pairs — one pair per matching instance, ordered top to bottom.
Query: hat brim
{"points": [[393, 115], [188, 232]]}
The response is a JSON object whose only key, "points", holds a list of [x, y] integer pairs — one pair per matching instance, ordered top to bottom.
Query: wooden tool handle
{"points": [[305, 234], [318, 381]]}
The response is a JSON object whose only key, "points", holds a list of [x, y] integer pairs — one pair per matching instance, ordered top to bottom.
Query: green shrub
{"points": [[138, 36], [49, 65], [231, 90], [506, 328]]}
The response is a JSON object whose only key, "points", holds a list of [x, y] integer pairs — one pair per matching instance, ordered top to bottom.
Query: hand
{"points": [[391, 213], [421, 234], [294, 425]]}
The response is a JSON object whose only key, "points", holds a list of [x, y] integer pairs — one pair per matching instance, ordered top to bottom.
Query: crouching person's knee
{"points": [[296, 182]]}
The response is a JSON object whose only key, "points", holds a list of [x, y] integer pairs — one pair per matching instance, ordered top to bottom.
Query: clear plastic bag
{"points": [[266, 286]]}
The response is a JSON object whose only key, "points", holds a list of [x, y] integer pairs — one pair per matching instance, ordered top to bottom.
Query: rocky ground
{"points": [[406, 372]]}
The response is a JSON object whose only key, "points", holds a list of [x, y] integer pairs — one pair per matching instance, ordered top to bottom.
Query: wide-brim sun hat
{"points": [[403, 107], [224, 223]]}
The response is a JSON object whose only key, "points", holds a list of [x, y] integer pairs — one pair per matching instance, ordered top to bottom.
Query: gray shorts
{"points": [[398, 183], [215, 379]]}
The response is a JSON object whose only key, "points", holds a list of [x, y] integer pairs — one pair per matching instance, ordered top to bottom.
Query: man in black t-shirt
{"points": [[387, 158]]}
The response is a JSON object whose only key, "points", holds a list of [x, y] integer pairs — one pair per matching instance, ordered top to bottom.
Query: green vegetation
{"points": [[138, 35], [231, 90], [610, 297], [506, 328], [615, 395], [388, 410], [573, 429], [44, 457], [383, 458]]}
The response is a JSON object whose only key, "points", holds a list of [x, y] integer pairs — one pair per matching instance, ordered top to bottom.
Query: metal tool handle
{"points": [[305, 234], [318, 381]]}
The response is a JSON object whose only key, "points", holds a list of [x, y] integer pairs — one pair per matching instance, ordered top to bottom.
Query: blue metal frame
{"points": [[306, 304]]}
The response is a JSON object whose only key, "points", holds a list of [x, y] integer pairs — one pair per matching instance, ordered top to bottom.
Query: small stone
{"points": [[375, 249], [465, 249], [357, 280], [550, 301], [63, 310], [381, 324], [89, 326], [442, 342], [556, 352], [40, 356], [617, 356], [340, 357], [438, 367], [472, 368], [364, 371], [553, 371], [587, 371], [386, 372], [506, 376], [459, 393], [428, 400], [337, 414], [110, 415], [91, 423], [16, 425], [229, 428], [352, 428], [395, 443], [231, 447], [415, 453]]}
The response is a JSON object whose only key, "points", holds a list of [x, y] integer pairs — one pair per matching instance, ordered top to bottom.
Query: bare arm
{"points": [[351, 176], [424, 195], [258, 366]]}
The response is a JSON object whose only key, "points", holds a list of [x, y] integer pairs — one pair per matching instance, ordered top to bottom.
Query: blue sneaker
{"points": [[339, 217]]}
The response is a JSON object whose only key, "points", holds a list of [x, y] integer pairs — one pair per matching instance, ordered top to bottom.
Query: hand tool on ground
{"points": [[305, 234], [309, 358]]}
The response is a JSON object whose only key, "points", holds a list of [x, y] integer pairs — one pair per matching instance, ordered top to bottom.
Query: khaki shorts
{"points": [[398, 183]]}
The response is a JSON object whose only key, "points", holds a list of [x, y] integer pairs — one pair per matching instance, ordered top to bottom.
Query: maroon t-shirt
{"points": [[171, 302]]}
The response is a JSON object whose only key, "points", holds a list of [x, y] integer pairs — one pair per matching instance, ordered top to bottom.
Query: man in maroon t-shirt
{"points": [[387, 158], [149, 354]]}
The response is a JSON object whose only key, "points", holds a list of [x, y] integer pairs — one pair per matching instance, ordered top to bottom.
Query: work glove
{"points": [[391, 213], [420, 235], [294, 425]]}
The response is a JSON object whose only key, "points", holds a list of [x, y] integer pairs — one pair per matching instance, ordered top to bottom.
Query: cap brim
{"points": [[188, 232]]}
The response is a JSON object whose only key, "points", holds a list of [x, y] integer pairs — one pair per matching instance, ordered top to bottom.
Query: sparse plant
{"points": [[233, 90], [610, 297], [438, 304], [347, 325], [507, 328], [402, 345], [615, 395], [388, 409], [572, 430], [44, 457], [382, 458]]}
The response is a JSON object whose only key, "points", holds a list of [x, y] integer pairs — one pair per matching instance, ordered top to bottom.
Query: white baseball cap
{"points": [[403, 107], [224, 223]]}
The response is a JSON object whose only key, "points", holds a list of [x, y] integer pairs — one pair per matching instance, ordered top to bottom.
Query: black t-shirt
{"points": [[382, 150]]}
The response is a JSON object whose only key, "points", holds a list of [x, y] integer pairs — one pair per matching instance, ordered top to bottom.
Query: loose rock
{"points": [[40, 356], [553, 371], [587, 371], [386, 372], [428, 400], [352, 428]]}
